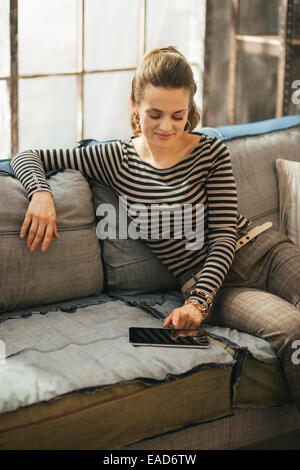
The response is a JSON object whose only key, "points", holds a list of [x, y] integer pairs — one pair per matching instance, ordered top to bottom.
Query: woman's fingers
{"points": [[25, 225], [32, 231], [39, 233], [55, 233], [48, 238], [173, 318], [184, 318], [176, 319], [168, 321], [190, 326]]}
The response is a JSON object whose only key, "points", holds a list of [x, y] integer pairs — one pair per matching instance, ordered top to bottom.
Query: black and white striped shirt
{"points": [[204, 177]]}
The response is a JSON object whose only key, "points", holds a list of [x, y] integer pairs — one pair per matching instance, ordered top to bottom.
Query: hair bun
{"points": [[158, 50]]}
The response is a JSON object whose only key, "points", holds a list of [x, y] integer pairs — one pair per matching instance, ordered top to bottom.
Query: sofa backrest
{"points": [[254, 149], [253, 163], [131, 267]]}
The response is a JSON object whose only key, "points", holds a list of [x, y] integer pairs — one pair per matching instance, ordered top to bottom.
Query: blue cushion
{"points": [[252, 128], [87, 142], [6, 168]]}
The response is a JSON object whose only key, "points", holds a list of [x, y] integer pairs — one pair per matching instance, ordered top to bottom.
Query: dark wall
{"points": [[256, 86]]}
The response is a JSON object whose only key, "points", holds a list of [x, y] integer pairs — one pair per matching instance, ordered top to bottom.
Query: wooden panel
{"points": [[261, 44], [13, 81]]}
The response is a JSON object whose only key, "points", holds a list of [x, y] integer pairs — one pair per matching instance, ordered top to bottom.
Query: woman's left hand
{"points": [[186, 317]]}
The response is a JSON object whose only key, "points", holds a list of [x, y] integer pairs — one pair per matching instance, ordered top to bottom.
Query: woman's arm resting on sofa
{"points": [[94, 162], [29, 166]]}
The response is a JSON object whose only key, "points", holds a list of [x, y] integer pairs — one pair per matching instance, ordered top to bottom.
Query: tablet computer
{"points": [[169, 337]]}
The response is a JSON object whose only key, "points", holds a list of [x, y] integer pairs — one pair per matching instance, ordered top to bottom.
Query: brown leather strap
{"points": [[252, 234]]}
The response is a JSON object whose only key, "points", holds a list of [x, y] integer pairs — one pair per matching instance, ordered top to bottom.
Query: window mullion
{"points": [[142, 29], [80, 74], [13, 81]]}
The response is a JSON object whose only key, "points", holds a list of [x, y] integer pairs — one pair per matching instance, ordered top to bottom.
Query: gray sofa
{"points": [[70, 379]]}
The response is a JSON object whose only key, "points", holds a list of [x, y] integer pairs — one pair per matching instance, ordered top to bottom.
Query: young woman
{"points": [[166, 163]]}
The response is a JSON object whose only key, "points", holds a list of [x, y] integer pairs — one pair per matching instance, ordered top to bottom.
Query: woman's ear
{"points": [[133, 105]]}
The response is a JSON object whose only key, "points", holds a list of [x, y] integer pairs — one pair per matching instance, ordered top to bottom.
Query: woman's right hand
{"points": [[42, 216]]}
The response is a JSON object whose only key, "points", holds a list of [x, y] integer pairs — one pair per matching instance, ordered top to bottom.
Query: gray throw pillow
{"points": [[72, 265], [130, 266]]}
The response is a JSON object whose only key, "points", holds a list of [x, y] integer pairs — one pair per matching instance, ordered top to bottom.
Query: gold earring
{"points": [[137, 120], [189, 125]]}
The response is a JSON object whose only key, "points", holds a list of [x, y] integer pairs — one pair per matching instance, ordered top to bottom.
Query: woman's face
{"points": [[163, 114]]}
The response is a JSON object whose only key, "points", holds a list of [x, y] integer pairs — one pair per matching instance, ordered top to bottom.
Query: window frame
{"points": [[79, 72]]}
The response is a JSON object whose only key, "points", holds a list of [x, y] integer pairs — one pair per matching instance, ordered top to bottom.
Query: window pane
{"points": [[179, 23], [111, 33], [47, 36], [4, 39], [198, 94], [107, 109], [47, 112], [4, 120]]}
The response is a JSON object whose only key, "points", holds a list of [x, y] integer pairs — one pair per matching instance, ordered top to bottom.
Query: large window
{"points": [[66, 65]]}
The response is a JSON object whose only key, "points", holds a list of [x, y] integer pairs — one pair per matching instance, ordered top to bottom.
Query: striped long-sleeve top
{"points": [[201, 186]]}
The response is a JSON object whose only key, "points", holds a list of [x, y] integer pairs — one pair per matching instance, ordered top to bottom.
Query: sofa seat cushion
{"points": [[70, 268], [57, 353], [87, 370]]}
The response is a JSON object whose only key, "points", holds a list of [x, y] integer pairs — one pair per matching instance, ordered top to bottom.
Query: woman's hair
{"points": [[168, 68]]}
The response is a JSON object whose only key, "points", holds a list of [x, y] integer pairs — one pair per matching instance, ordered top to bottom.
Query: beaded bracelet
{"points": [[207, 296], [205, 306]]}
